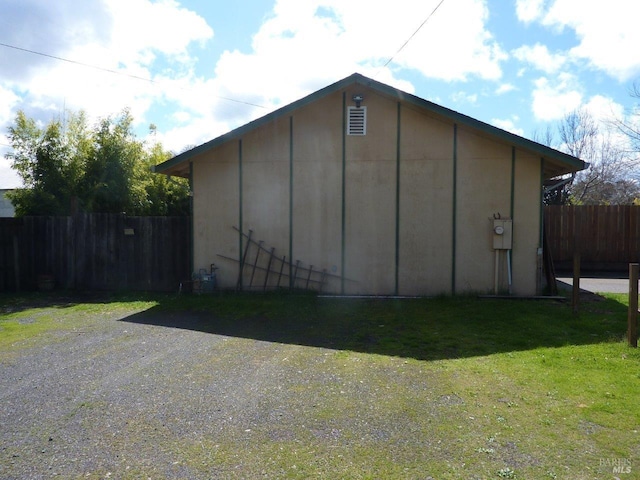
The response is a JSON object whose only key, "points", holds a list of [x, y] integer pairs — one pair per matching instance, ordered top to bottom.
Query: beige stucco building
{"points": [[360, 188]]}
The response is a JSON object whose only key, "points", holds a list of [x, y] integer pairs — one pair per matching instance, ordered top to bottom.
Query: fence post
{"points": [[575, 295], [632, 317]]}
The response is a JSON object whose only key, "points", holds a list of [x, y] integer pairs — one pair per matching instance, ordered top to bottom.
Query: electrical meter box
{"points": [[502, 233]]}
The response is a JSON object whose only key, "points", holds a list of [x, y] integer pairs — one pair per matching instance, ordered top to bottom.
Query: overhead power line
{"points": [[413, 35], [76, 62], [115, 72]]}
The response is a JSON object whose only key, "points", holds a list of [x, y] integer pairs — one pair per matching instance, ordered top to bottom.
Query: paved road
{"points": [[597, 285]]}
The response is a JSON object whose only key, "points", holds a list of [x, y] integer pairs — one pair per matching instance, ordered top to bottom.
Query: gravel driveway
{"points": [[131, 398], [93, 400]]}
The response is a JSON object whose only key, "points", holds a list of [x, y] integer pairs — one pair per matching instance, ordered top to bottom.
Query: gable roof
{"points": [[556, 163]]}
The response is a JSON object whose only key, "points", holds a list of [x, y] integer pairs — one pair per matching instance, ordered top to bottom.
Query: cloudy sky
{"points": [[198, 68]]}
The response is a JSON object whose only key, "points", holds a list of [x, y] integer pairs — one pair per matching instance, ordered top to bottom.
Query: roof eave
{"points": [[567, 163], [170, 164], [573, 164]]}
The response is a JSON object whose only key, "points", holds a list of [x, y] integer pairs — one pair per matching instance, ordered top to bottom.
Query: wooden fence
{"points": [[607, 236], [94, 252]]}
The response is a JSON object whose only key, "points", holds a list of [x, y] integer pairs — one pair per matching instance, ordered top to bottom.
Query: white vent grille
{"points": [[357, 121]]}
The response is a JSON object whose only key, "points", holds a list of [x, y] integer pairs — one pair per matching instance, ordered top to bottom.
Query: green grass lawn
{"points": [[494, 388]]}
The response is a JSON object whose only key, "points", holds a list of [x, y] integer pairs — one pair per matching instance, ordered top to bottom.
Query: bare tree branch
{"points": [[630, 126], [610, 177]]}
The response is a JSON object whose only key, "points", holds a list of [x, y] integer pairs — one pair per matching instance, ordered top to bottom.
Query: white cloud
{"points": [[529, 10], [49, 27], [145, 27], [608, 33], [128, 38], [134, 38], [326, 40], [303, 46], [452, 46], [132, 48], [299, 48], [539, 56], [505, 88], [464, 97], [553, 100], [8, 101], [200, 109], [604, 109], [606, 112], [182, 116], [508, 124], [197, 131], [8, 177]]}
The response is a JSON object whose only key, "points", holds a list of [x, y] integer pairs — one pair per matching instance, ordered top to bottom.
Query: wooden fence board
{"points": [[607, 236], [95, 252]]}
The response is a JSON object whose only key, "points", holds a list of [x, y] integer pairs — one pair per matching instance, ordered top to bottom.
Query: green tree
{"points": [[49, 162], [105, 169], [109, 176], [163, 195]]}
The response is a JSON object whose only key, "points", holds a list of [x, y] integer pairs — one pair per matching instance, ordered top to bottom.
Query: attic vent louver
{"points": [[357, 121]]}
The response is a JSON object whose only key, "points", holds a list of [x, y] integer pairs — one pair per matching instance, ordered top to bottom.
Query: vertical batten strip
{"points": [[344, 168], [513, 182], [512, 208], [454, 212], [240, 219], [541, 220], [191, 224], [397, 252], [540, 252], [291, 280]]}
